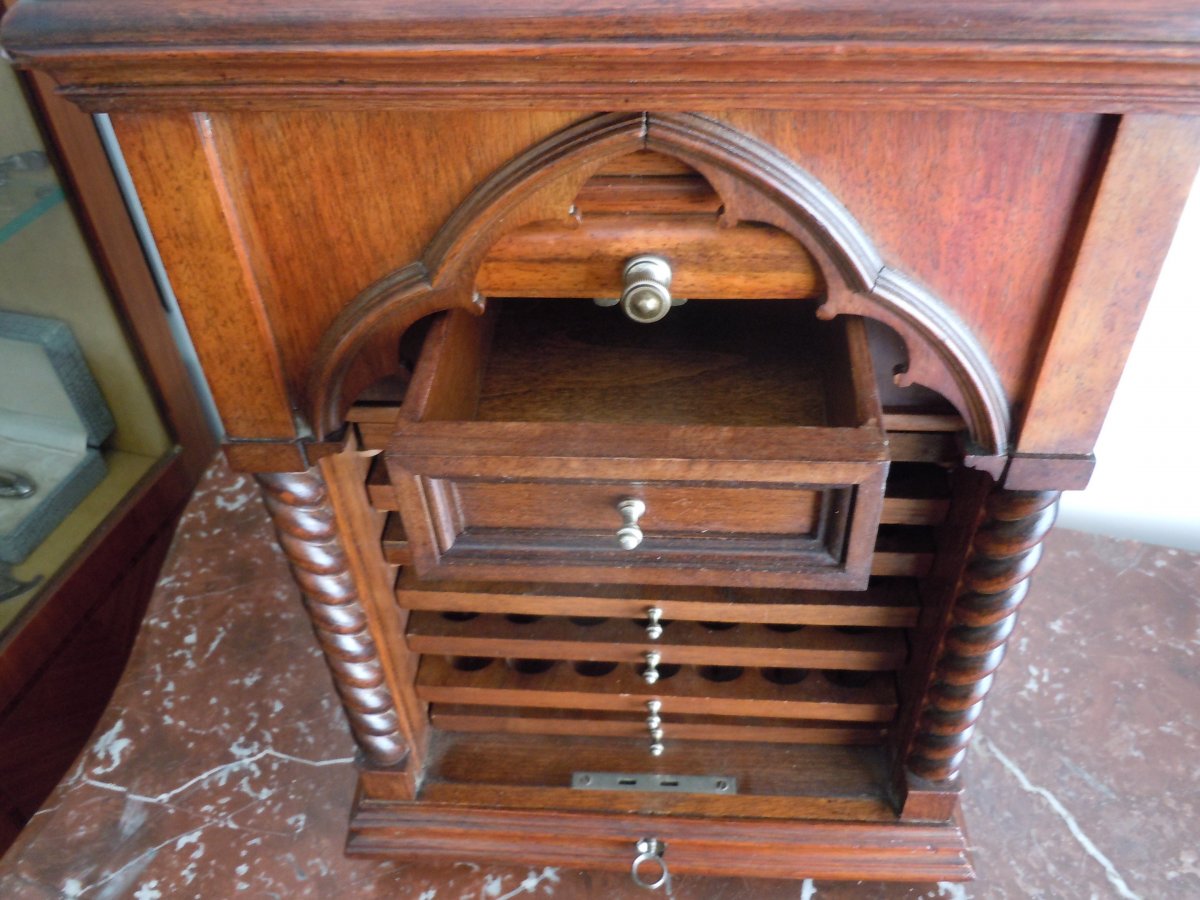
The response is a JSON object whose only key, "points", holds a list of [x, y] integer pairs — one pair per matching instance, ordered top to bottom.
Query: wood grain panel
{"points": [[165, 24], [1145, 184], [363, 193], [977, 206], [198, 227], [671, 509], [787, 771], [874, 848]]}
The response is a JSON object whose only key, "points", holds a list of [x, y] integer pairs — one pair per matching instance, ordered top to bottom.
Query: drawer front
{"points": [[472, 509], [672, 510]]}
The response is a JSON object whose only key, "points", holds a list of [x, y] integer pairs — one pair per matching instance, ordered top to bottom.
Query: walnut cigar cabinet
{"points": [[606, 578]]}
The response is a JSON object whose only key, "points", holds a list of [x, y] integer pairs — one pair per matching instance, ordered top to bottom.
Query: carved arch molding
{"points": [[756, 184]]}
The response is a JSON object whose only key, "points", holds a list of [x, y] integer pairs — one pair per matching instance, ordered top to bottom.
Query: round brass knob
{"points": [[647, 294]]}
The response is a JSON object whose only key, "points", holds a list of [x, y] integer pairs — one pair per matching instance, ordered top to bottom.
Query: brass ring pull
{"points": [[650, 850]]}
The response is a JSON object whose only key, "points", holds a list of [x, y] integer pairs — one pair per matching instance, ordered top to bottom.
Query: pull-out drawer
{"points": [[581, 447]]}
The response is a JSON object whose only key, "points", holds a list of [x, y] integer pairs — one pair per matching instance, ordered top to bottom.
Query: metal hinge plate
{"points": [[673, 784]]}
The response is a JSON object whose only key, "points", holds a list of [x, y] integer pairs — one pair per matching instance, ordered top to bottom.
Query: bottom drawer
{"points": [[818, 812]]}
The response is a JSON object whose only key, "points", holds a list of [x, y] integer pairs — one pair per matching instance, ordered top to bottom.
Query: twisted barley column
{"points": [[304, 521], [1004, 553]]}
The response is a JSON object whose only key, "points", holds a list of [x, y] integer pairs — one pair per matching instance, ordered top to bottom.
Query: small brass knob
{"points": [[647, 294], [629, 536], [654, 628], [651, 675], [654, 724]]}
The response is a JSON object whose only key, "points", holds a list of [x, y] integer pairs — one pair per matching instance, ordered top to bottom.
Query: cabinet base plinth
{"points": [[763, 848]]}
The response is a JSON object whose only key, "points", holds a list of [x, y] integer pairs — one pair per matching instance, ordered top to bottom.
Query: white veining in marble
{"points": [[987, 746]]}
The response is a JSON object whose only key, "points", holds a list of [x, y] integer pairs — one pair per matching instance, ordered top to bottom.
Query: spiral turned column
{"points": [[304, 520], [1004, 553]]}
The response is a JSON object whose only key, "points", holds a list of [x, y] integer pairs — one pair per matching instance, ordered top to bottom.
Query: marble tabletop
{"points": [[223, 766]]}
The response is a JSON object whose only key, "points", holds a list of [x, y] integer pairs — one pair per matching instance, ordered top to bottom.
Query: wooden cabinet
{"points": [[722, 590]]}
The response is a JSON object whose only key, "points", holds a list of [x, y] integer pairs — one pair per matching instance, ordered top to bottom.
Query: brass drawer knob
{"points": [[647, 294], [629, 535], [654, 628], [653, 658], [654, 726]]}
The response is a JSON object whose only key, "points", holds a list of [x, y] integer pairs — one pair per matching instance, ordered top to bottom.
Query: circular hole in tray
{"points": [[455, 616], [521, 618], [587, 621], [718, 626], [783, 629], [855, 629], [470, 663], [531, 666], [594, 668], [665, 670], [720, 673], [780, 675], [849, 678]]}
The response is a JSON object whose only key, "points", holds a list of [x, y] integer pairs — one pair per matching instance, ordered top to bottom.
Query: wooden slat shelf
{"points": [[642, 164], [618, 194], [887, 602], [625, 640], [686, 691], [508, 720]]}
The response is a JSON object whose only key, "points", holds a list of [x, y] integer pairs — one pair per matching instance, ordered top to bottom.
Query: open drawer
{"points": [[733, 443]]}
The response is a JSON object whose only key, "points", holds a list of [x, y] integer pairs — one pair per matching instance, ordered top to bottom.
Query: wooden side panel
{"points": [[172, 161], [1145, 185], [361, 194], [976, 205]]}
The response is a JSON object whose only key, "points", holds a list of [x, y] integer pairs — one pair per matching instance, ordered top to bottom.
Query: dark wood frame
{"points": [[60, 659]]}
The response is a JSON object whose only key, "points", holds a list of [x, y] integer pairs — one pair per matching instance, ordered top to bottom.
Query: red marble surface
{"points": [[223, 767]]}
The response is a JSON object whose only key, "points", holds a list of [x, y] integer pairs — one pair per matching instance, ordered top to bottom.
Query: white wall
{"points": [[1147, 480]]}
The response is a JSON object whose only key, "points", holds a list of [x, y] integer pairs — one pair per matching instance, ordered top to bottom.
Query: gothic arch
{"points": [[756, 184]]}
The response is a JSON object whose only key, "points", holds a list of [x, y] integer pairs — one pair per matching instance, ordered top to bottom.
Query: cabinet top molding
{"points": [[1085, 55]]}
